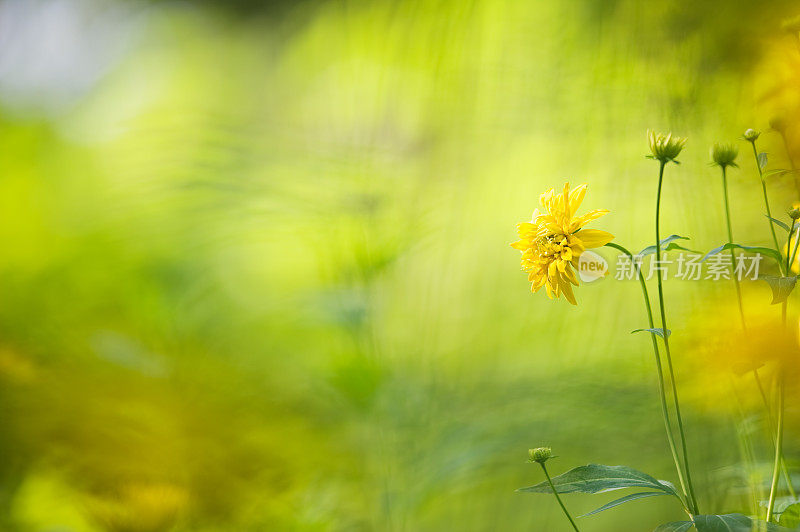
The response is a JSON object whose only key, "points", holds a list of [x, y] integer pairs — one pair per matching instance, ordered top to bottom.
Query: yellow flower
{"points": [[553, 240]]}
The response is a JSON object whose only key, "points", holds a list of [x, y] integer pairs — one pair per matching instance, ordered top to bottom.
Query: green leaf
{"points": [[762, 160], [779, 172], [780, 223], [666, 245], [752, 249], [781, 287], [659, 331], [597, 478], [623, 500], [781, 503], [790, 517], [733, 523], [676, 526]]}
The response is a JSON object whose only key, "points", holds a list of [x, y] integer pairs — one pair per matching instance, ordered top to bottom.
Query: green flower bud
{"points": [[751, 135], [665, 148], [724, 154], [794, 211], [540, 454]]}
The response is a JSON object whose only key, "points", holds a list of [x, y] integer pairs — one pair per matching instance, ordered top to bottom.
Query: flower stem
{"points": [[766, 198], [730, 241], [794, 253], [789, 262], [661, 390], [772, 430], [778, 445], [773, 490], [555, 492], [692, 497]]}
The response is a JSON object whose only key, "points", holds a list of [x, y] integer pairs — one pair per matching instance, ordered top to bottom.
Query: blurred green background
{"points": [[254, 262]]}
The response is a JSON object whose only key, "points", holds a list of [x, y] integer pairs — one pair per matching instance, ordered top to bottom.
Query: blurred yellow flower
{"points": [[553, 240], [795, 266], [721, 353], [139, 508]]}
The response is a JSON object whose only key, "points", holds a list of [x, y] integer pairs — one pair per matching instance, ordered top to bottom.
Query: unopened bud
{"points": [[751, 135], [663, 147], [724, 154], [540, 454]]}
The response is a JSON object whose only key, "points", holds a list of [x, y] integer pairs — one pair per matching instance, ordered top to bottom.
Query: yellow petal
{"points": [[575, 198], [546, 199], [580, 221], [524, 228], [594, 238], [521, 245], [570, 275], [566, 288], [549, 290]]}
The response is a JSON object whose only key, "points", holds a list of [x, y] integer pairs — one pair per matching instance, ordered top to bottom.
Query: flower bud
{"points": [[751, 135], [665, 148], [724, 154], [794, 211], [540, 454]]}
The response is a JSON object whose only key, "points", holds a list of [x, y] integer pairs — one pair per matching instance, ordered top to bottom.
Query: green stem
{"points": [[766, 198], [730, 241], [794, 253], [785, 302], [661, 390], [770, 419], [772, 431], [746, 450], [773, 490], [555, 492], [692, 497]]}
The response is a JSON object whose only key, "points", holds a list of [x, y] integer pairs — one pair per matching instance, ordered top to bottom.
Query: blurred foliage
{"points": [[255, 271]]}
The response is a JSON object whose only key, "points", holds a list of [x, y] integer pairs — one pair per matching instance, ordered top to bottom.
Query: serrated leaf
{"points": [[762, 160], [784, 225], [666, 245], [752, 249], [781, 287], [657, 331], [598, 478], [623, 500], [790, 517], [733, 523], [675, 526]]}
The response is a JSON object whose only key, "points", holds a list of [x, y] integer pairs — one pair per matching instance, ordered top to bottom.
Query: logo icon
{"points": [[591, 267]]}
